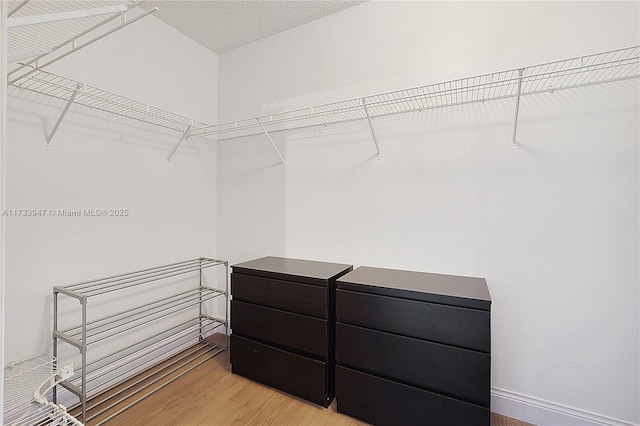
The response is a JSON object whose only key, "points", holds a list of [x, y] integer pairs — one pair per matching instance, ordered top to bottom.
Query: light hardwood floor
{"points": [[210, 396]]}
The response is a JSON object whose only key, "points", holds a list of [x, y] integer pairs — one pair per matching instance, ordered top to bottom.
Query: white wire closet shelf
{"points": [[41, 32], [569, 73], [565, 74], [64, 89], [25, 386]]}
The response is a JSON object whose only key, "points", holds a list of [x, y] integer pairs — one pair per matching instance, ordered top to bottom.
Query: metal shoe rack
{"points": [[107, 384]]}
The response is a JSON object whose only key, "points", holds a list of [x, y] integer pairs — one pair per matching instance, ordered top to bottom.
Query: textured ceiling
{"points": [[225, 25]]}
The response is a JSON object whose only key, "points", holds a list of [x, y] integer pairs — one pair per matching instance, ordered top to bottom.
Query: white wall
{"points": [[3, 120], [100, 161], [552, 226]]}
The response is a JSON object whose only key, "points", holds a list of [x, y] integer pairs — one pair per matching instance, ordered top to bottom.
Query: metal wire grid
{"points": [[25, 43], [602, 67], [570, 73], [63, 88], [320, 115], [23, 378], [23, 381], [46, 414]]}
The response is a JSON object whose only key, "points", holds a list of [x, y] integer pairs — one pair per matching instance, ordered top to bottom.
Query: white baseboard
{"points": [[546, 413]]}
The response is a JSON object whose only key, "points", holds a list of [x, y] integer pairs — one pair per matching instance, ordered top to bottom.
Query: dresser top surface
{"points": [[293, 267], [410, 283]]}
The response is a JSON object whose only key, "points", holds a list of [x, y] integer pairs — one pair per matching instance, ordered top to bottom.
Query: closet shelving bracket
{"points": [[598, 68], [62, 115], [515, 119], [369, 120], [272, 143], [175, 148]]}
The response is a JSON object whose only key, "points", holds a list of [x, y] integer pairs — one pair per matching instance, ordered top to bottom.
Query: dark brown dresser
{"points": [[283, 325], [413, 348]]}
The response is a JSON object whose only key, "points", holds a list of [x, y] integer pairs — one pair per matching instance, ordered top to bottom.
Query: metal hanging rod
{"points": [[569, 73]]}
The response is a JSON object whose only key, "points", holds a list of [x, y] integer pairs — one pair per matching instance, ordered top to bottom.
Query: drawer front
{"points": [[291, 296], [464, 327], [297, 332], [444, 369], [291, 373], [383, 402]]}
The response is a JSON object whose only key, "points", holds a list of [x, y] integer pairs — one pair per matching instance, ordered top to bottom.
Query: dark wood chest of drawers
{"points": [[283, 324], [413, 348]]}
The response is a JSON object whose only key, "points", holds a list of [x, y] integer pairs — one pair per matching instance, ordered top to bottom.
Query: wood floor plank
{"points": [[210, 395], [498, 420]]}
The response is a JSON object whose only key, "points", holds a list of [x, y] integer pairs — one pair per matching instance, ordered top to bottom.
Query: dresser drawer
{"points": [[291, 296], [464, 327], [297, 332], [452, 371], [291, 373], [383, 402]]}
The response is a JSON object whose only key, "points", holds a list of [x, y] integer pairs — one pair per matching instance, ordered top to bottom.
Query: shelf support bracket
{"points": [[64, 113], [515, 120], [373, 133], [271, 140], [175, 148]]}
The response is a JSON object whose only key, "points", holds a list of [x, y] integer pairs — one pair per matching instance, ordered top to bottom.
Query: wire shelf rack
{"points": [[41, 32], [569, 73], [548, 77], [64, 89], [25, 386], [46, 414]]}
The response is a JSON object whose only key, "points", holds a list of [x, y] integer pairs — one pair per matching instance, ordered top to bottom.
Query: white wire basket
{"points": [[26, 384]]}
